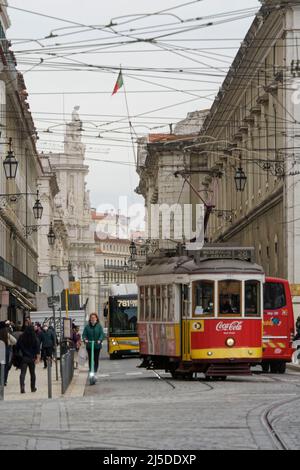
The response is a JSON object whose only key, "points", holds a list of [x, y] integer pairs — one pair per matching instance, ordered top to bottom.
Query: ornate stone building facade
{"points": [[70, 213], [18, 248]]}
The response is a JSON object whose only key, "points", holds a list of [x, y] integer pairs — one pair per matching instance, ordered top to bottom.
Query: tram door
{"points": [[185, 323]]}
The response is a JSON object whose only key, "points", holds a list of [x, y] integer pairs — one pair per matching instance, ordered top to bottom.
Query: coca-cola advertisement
{"points": [[229, 327]]}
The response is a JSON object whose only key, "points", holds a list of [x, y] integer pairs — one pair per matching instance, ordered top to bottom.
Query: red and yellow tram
{"points": [[201, 314]]}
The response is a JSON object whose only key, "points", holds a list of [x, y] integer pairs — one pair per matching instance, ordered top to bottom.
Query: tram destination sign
{"points": [[225, 252]]}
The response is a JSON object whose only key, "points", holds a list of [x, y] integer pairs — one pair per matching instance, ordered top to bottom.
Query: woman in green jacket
{"points": [[93, 332]]}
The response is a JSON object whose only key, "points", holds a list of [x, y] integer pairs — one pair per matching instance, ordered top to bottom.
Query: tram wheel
{"points": [[265, 367]]}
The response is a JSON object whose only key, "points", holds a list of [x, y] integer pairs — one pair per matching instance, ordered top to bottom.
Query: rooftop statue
{"points": [[75, 114]]}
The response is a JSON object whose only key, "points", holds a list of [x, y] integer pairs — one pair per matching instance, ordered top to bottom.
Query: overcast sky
{"points": [[204, 64]]}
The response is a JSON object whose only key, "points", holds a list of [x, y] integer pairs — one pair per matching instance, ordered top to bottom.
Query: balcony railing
{"points": [[17, 277]]}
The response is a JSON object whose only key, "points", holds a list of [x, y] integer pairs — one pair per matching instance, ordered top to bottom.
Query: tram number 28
{"points": [[127, 303]]}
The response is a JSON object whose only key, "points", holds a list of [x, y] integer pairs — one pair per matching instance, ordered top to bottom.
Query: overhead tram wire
{"points": [[105, 27]]}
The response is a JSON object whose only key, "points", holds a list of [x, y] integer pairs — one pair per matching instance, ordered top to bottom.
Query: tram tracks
{"points": [[197, 380], [266, 416]]}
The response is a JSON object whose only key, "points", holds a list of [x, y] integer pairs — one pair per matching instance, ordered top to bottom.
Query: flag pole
{"points": [[129, 120]]}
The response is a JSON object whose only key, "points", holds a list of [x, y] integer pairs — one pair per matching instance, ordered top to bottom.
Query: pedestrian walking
{"points": [[93, 332], [47, 341], [9, 342], [28, 347]]}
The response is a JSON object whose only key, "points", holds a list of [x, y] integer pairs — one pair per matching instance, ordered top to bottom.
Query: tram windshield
{"points": [[230, 297], [204, 298], [123, 317]]}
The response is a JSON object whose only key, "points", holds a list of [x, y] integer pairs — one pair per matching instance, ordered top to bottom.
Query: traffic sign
{"points": [[53, 285], [74, 288], [53, 301]]}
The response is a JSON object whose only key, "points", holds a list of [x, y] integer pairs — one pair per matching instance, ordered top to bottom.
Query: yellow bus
{"points": [[122, 338]]}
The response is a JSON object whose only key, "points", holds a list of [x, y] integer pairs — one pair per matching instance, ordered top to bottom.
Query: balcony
{"points": [[12, 274]]}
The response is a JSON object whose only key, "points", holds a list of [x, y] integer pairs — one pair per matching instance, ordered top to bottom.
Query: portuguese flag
{"points": [[119, 83]]}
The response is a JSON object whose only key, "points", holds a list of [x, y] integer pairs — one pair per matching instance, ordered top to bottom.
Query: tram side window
{"points": [[204, 295], [274, 296], [230, 297], [252, 299], [153, 301], [186, 301], [148, 303], [158, 303], [164, 303], [142, 304], [171, 312]]}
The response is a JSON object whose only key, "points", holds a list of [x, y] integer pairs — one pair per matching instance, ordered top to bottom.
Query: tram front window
{"points": [[204, 298], [230, 298], [252, 299], [123, 318]]}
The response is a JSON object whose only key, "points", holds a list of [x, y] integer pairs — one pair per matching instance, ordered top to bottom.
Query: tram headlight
{"points": [[230, 342]]}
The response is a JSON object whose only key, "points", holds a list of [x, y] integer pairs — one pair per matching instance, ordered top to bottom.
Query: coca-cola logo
{"points": [[233, 326]]}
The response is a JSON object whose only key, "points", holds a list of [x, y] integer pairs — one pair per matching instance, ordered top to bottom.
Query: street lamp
{"points": [[10, 163], [240, 180], [38, 208], [51, 235], [132, 250]]}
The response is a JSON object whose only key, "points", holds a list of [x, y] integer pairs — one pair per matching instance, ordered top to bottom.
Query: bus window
{"points": [[204, 294], [274, 296], [230, 297], [252, 299], [158, 303], [142, 304]]}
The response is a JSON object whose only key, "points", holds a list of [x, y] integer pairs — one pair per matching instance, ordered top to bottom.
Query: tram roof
{"points": [[186, 265]]}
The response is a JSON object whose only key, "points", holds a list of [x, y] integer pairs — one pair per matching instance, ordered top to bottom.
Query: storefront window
{"points": [[204, 298], [230, 298]]}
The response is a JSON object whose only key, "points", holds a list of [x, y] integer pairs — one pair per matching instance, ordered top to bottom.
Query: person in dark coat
{"points": [[93, 332], [47, 340], [9, 342], [29, 348]]}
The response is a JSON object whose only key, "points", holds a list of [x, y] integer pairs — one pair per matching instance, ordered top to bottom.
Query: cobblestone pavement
{"points": [[131, 408]]}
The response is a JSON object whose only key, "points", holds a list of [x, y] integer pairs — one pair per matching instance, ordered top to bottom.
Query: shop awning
{"points": [[22, 300]]}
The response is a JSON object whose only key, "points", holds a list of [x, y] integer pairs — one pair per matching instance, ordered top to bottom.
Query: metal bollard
{"points": [[49, 371]]}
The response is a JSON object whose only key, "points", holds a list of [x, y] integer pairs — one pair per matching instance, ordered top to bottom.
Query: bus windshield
{"points": [[123, 316]]}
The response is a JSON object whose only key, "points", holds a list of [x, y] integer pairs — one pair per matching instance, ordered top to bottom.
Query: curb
{"points": [[295, 367], [77, 387]]}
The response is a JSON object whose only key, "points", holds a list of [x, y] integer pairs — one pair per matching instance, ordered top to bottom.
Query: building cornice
{"points": [[273, 200]]}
